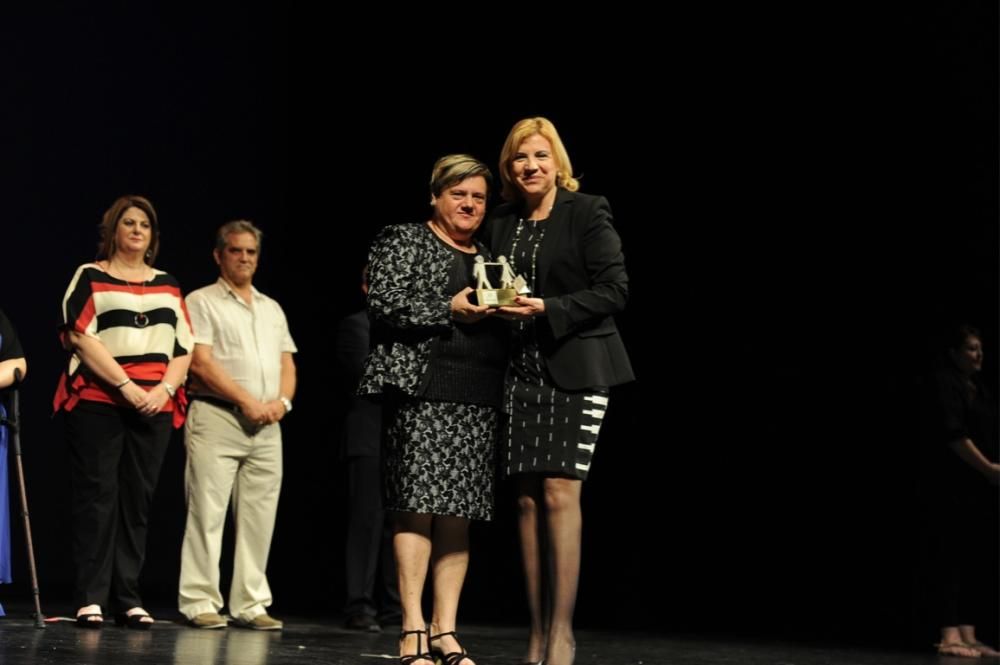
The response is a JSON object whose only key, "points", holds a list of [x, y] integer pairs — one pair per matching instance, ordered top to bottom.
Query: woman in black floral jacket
{"points": [[438, 360]]}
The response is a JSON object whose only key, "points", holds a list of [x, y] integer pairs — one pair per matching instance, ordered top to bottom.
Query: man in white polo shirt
{"points": [[242, 384]]}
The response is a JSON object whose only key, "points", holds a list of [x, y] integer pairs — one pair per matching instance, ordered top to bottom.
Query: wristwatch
{"points": [[287, 402]]}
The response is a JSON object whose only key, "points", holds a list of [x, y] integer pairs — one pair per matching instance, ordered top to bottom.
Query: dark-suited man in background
{"points": [[369, 539]]}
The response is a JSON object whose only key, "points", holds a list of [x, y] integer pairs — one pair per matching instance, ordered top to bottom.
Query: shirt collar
{"points": [[225, 286]]}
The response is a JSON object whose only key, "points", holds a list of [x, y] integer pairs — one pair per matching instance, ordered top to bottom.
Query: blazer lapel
{"points": [[507, 224], [555, 229]]}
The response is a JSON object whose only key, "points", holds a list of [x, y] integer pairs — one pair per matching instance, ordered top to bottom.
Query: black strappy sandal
{"points": [[420, 655], [453, 658]]}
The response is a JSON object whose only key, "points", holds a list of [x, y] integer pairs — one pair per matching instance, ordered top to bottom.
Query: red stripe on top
{"points": [[105, 287], [86, 316], [187, 317], [145, 371]]}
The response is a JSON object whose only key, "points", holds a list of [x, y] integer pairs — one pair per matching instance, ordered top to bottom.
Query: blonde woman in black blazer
{"points": [[567, 353]]}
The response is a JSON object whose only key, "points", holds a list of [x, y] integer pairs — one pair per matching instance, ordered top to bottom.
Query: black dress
{"points": [[549, 430]]}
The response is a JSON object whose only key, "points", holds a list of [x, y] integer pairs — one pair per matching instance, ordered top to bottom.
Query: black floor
{"points": [[325, 642]]}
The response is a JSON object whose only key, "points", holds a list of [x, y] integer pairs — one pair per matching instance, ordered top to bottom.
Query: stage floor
{"points": [[321, 642]]}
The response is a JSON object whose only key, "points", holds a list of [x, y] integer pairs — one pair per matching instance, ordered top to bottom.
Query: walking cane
{"points": [[14, 423]]}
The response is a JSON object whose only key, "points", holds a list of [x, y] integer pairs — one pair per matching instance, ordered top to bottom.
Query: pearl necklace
{"points": [[521, 223]]}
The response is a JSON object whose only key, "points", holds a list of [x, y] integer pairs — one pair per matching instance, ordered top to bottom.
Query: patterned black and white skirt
{"points": [[549, 430], [439, 458]]}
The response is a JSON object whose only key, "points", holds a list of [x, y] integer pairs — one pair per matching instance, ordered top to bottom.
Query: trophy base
{"points": [[496, 297]]}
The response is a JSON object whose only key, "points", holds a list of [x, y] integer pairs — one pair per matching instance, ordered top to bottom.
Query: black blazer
{"points": [[581, 277]]}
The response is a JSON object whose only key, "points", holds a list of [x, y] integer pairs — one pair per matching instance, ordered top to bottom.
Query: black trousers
{"points": [[115, 460], [369, 542], [962, 548]]}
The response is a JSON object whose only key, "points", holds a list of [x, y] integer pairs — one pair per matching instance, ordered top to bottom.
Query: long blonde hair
{"points": [[525, 129]]}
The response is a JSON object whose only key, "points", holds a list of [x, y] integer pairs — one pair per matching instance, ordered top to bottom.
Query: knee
{"points": [[561, 494], [526, 505]]}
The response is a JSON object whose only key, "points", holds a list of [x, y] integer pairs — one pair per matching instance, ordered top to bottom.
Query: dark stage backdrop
{"points": [[802, 208]]}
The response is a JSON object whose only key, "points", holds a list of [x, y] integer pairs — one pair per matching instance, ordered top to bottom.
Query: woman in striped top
{"points": [[130, 337]]}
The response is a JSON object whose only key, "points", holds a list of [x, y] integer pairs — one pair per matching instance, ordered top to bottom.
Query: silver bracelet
{"points": [[124, 383], [169, 388]]}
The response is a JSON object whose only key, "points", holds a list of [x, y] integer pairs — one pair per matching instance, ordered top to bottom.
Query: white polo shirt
{"points": [[247, 341]]}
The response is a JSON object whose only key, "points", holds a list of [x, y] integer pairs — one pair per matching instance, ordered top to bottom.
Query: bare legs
{"points": [[530, 502], [550, 524], [442, 542], [411, 543], [450, 561]]}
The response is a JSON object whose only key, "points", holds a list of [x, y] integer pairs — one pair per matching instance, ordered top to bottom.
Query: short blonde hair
{"points": [[523, 130]]}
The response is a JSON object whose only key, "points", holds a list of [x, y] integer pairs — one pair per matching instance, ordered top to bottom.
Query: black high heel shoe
{"points": [[90, 620], [134, 621], [420, 655], [453, 658]]}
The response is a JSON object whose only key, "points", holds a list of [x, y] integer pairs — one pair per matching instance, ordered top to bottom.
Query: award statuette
{"points": [[485, 293]]}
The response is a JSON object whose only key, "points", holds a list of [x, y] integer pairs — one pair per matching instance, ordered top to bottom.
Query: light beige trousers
{"points": [[228, 459]]}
